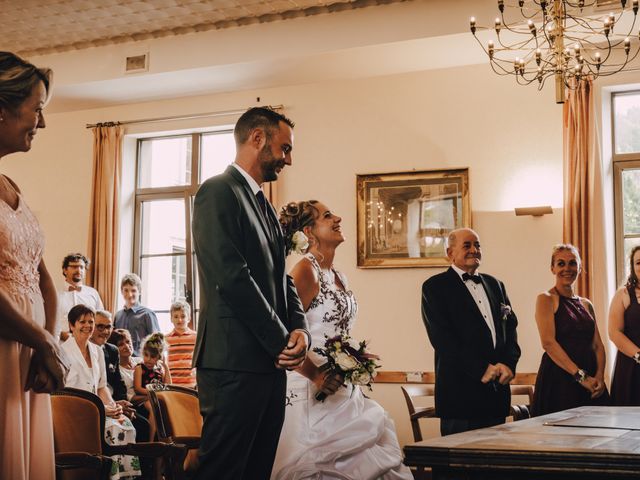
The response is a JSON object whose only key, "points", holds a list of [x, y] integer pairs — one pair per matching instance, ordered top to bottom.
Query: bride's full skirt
{"points": [[346, 437]]}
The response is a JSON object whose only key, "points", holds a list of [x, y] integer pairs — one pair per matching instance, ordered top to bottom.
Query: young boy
{"points": [[138, 319], [181, 342]]}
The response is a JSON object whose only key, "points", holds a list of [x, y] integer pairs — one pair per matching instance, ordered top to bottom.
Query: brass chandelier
{"points": [[562, 39]]}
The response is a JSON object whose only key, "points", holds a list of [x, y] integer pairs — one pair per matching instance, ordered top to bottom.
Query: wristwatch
{"points": [[636, 357], [580, 376]]}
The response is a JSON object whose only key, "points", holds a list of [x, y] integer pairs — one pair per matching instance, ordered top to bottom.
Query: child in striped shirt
{"points": [[181, 342]]}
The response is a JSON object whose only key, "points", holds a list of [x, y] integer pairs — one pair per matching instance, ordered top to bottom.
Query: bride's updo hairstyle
{"points": [[294, 216]]}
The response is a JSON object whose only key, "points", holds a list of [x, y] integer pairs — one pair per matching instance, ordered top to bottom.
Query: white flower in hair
{"points": [[299, 243]]}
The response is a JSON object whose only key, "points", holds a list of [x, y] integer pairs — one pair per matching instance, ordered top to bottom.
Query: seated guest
{"points": [[74, 292], [138, 319], [624, 331], [100, 337], [122, 339], [181, 342], [151, 369], [88, 372], [571, 372], [115, 383]]}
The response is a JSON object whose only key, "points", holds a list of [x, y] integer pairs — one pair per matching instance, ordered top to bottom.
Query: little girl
{"points": [[151, 369]]}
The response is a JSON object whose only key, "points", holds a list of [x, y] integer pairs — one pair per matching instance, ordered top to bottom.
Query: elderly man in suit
{"points": [[252, 326], [472, 328]]}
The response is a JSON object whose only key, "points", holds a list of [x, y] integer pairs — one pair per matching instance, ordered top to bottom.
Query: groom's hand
{"points": [[295, 352]]}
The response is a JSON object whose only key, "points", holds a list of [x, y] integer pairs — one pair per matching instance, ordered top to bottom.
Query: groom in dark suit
{"points": [[252, 326], [473, 332]]}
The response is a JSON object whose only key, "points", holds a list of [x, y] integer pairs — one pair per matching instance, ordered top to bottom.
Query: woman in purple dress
{"points": [[624, 331], [571, 372]]}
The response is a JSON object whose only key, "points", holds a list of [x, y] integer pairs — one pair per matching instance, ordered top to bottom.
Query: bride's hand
{"points": [[329, 382]]}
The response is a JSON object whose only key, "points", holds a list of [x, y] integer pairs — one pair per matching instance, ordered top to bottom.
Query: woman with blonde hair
{"points": [[32, 363], [571, 372]]}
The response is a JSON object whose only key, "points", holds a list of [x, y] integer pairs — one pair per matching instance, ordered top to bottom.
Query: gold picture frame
{"points": [[404, 218]]}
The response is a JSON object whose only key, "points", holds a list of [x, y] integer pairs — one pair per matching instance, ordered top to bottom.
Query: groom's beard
{"points": [[269, 164]]}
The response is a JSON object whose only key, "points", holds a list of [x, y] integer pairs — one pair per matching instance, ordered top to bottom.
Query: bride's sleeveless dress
{"points": [[348, 436]]}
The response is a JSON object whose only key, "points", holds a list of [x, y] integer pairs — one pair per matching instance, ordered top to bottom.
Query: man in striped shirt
{"points": [[181, 343]]}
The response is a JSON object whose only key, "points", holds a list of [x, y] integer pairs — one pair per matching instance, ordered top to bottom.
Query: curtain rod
{"points": [[177, 117]]}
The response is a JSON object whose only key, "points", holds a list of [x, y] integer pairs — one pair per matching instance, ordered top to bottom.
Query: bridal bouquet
{"points": [[354, 363]]}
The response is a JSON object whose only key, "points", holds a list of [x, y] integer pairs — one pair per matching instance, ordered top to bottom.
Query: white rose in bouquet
{"points": [[345, 361], [361, 377]]}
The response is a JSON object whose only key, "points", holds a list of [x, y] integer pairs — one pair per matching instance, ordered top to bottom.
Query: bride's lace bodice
{"points": [[21, 246], [334, 308]]}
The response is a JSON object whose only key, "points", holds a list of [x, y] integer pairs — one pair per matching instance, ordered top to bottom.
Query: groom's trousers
{"points": [[243, 413]]}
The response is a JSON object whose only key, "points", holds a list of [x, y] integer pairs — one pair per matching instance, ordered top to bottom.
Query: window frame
{"points": [[621, 162], [185, 192]]}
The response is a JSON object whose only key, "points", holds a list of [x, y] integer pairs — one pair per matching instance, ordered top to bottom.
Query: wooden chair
{"points": [[412, 392], [416, 412], [521, 412], [177, 413], [78, 431], [98, 464]]}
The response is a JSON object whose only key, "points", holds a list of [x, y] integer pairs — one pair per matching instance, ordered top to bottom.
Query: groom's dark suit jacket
{"points": [[248, 303], [464, 347]]}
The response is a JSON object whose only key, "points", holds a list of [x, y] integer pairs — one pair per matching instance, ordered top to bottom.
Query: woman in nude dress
{"points": [[32, 363]]}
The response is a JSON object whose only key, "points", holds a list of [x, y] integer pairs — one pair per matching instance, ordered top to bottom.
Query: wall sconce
{"points": [[533, 211]]}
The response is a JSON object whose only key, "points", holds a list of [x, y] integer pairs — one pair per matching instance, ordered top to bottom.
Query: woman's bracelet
{"points": [[636, 357], [580, 376]]}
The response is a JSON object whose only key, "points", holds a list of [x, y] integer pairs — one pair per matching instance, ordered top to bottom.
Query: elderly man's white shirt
{"points": [[67, 300], [482, 301], [80, 375]]}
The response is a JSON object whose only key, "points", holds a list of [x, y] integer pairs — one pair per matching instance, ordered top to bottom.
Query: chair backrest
{"points": [[411, 394], [178, 411], [521, 411], [178, 419], [78, 421], [78, 426]]}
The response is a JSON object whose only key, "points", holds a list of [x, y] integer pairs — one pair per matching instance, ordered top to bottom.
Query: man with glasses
{"points": [[74, 268], [101, 334]]}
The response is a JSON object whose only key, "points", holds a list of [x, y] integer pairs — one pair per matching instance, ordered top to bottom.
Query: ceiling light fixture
{"points": [[557, 38]]}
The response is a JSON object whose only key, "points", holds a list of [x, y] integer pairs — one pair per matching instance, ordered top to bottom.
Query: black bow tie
{"points": [[473, 278]]}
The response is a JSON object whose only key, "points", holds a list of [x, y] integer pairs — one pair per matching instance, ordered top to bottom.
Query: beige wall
{"points": [[510, 137]]}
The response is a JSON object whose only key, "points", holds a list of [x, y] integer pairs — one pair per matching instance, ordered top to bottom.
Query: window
{"points": [[626, 169], [169, 172]]}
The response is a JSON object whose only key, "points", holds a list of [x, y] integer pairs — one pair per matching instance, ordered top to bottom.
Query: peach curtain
{"points": [[580, 157], [104, 221]]}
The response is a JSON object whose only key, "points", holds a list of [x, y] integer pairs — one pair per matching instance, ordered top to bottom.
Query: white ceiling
{"points": [[37, 27], [210, 46]]}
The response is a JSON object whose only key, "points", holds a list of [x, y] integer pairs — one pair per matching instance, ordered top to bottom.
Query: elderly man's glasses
{"points": [[104, 327]]}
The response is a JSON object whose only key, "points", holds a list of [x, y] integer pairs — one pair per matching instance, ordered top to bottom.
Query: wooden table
{"points": [[582, 443]]}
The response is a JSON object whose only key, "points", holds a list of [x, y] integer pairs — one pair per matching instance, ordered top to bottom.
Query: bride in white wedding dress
{"points": [[348, 436]]}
